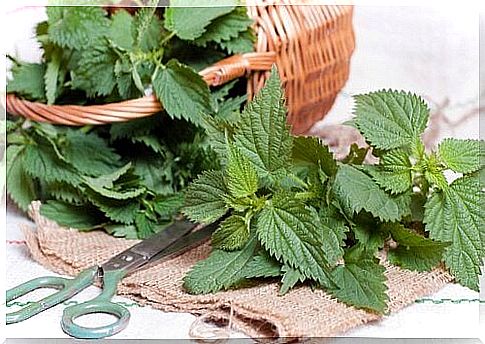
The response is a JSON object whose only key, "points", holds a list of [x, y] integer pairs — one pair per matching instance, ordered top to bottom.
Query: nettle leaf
{"points": [[189, 22], [76, 27], [226, 27], [147, 29], [120, 31], [244, 43], [95, 72], [52, 75], [28, 81], [182, 92], [391, 119], [216, 130], [263, 135], [152, 141], [310, 150], [89, 153], [462, 156], [41, 161], [394, 171], [434, 172], [153, 175], [242, 178], [107, 180], [104, 185], [20, 186], [356, 191], [66, 193], [204, 198], [168, 206], [116, 210], [454, 215], [80, 217], [144, 226], [333, 231], [128, 232], [289, 232], [232, 234], [369, 235], [414, 252], [262, 266], [221, 270], [291, 277], [361, 283]]}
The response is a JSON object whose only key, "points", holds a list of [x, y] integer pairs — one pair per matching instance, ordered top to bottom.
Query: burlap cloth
{"points": [[257, 310]]}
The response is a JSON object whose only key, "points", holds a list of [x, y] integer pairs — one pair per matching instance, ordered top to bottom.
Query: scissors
{"points": [[174, 239]]}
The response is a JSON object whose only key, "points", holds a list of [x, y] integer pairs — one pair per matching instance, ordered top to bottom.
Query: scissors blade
{"points": [[173, 239], [188, 241], [139, 254]]}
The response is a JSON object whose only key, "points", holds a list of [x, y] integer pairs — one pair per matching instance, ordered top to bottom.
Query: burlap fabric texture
{"points": [[257, 311]]}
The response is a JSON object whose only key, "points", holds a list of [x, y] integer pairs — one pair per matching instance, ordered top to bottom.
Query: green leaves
{"points": [[190, 22], [76, 27], [225, 28], [147, 29], [120, 31], [95, 73], [52, 75], [28, 80], [182, 92], [391, 119], [263, 135], [309, 150], [89, 153], [462, 156], [41, 162], [394, 171], [242, 177], [19, 186], [357, 191], [204, 198], [454, 215], [80, 217], [289, 232], [232, 234], [414, 252], [221, 270], [361, 283]]}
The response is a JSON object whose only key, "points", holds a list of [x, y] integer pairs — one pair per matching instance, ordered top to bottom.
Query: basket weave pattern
{"points": [[310, 44]]}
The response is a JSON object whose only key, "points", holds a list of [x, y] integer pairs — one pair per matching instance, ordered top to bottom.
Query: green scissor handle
{"points": [[67, 289], [101, 304]]}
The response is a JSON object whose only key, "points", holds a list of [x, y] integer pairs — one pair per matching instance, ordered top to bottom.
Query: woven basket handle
{"points": [[236, 66], [217, 74]]}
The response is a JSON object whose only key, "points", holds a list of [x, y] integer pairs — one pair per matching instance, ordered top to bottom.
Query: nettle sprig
{"points": [[91, 55], [126, 178], [291, 211]]}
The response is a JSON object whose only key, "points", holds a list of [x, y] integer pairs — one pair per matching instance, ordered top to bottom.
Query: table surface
{"points": [[389, 53]]}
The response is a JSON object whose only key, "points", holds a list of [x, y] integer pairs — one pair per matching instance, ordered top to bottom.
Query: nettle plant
{"points": [[289, 210]]}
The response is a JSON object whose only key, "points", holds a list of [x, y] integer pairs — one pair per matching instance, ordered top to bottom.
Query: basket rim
{"points": [[217, 74]]}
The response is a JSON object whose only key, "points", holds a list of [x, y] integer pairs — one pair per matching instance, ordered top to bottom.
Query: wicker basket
{"points": [[310, 44]]}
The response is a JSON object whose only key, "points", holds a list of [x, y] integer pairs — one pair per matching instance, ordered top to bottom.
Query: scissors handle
{"points": [[67, 289], [101, 304]]}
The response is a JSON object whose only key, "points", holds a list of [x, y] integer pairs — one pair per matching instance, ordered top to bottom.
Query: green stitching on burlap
{"points": [[454, 301], [69, 303]]}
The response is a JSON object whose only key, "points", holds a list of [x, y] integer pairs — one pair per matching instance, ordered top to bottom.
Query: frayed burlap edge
{"points": [[256, 310]]}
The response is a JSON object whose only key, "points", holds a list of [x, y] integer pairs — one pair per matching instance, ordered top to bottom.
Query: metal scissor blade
{"points": [[188, 241], [139, 254]]}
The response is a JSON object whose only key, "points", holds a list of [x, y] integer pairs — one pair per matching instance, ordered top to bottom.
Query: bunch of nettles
{"points": [[128, 177], [289, 210]]}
